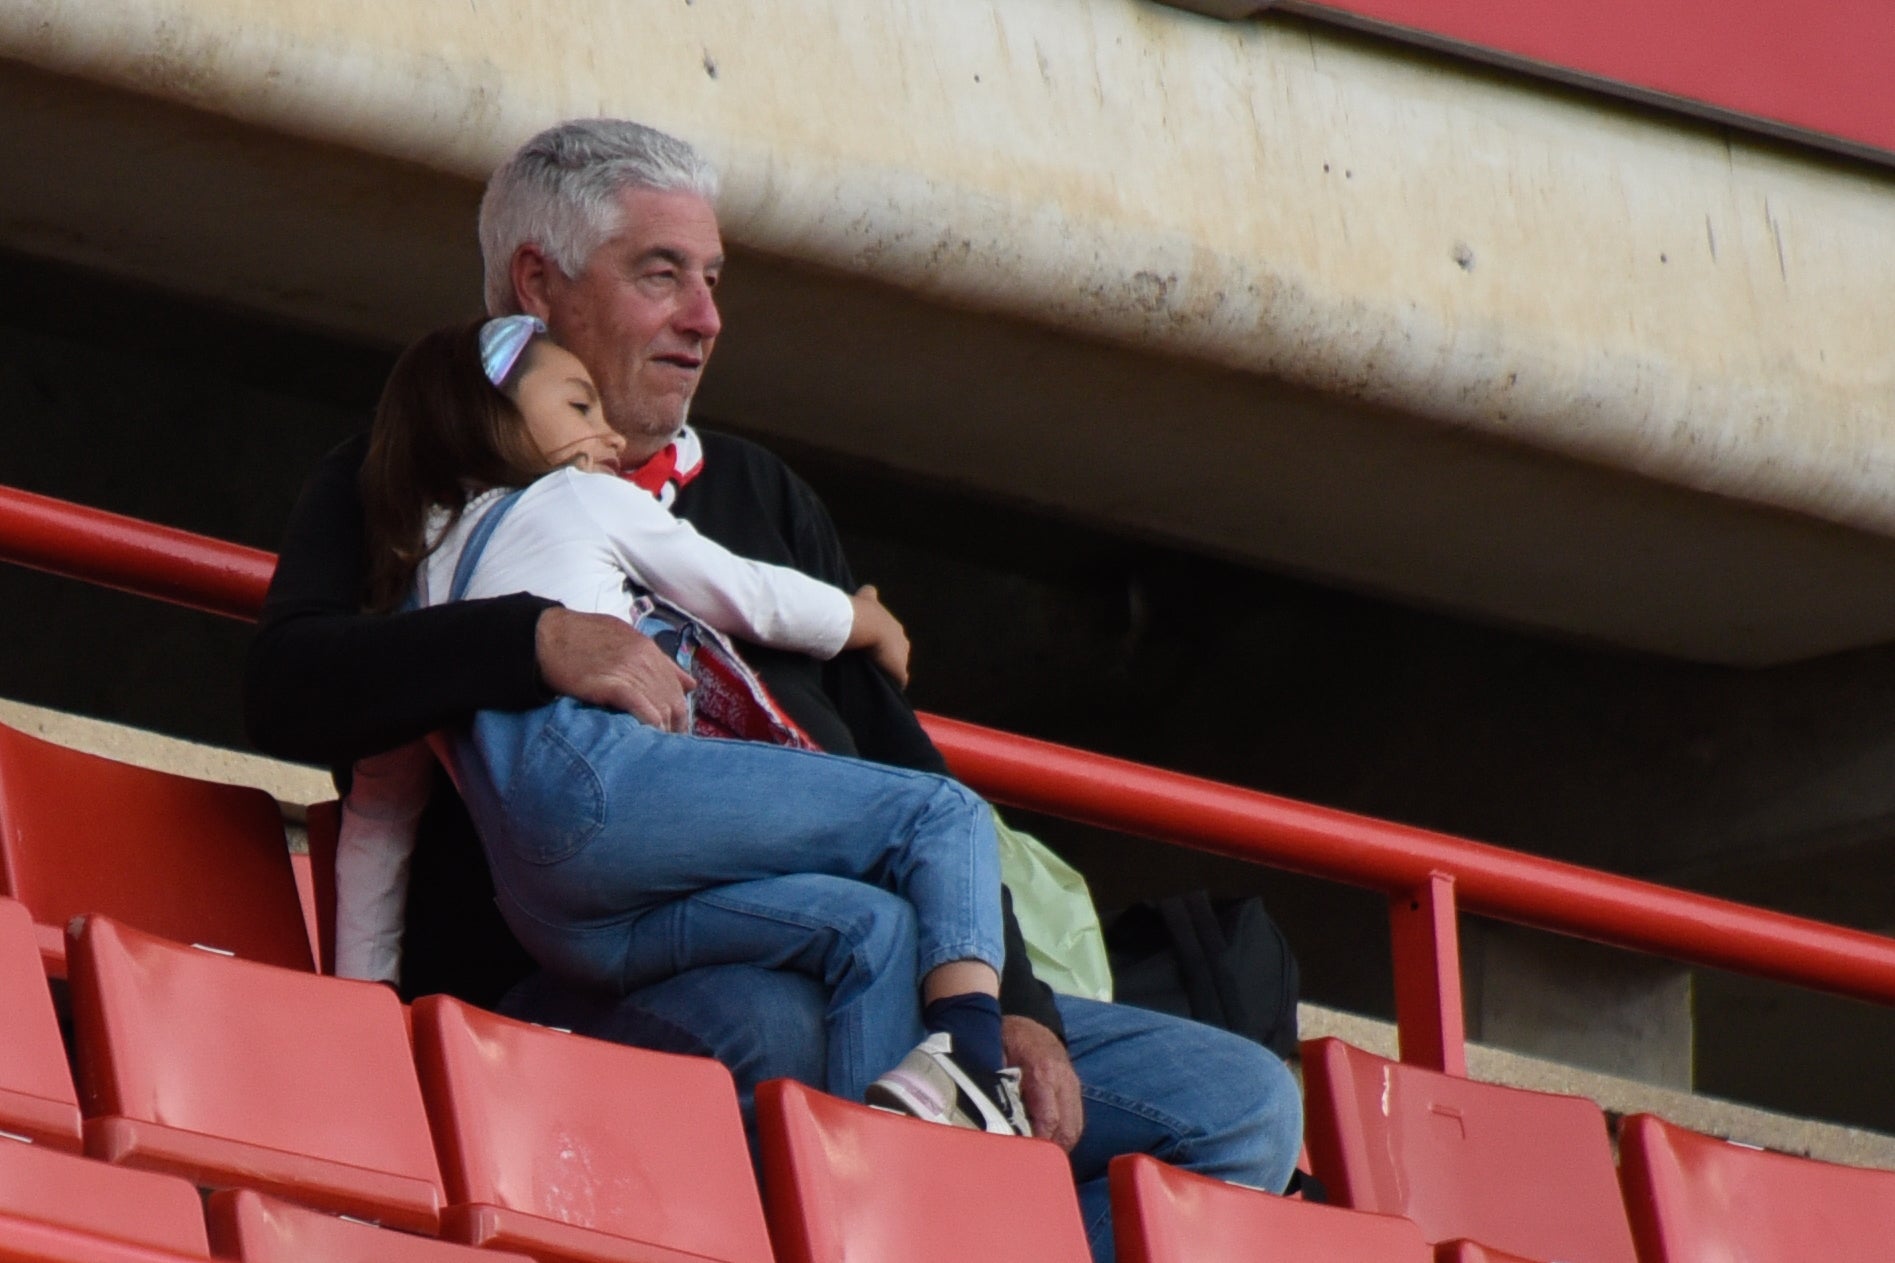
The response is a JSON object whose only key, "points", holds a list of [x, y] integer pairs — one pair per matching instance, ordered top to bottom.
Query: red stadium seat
{"points": [[323, 827], [194, 861], [234, 1073], [37, 1101], [571, 1148], [1525, 1172], [849, 1182], [1696, 1197], [61, 1206], [1163, 1215], [251, 1228], [1473, 1252]]}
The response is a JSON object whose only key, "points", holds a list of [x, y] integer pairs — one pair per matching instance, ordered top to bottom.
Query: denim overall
{"points": [[623, 855]]}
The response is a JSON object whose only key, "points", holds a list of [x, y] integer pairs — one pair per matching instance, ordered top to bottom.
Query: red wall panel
{"points": [[1822, 70]]}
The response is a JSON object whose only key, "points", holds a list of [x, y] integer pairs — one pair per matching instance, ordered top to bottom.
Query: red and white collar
{"points": [[675, 465]]}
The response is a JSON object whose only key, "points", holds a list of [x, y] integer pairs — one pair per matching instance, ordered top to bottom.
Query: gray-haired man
{"points": [[607, 231]]}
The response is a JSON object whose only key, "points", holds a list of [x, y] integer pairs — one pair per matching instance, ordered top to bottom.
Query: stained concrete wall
{"points": [[1439, 332]]}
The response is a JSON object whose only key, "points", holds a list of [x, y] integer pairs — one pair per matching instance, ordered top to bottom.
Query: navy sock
{"points": [[973, 1020]]}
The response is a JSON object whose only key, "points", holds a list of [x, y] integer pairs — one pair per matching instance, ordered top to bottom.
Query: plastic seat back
{"points": [[323, 828], [194, 861], [233, 1073], [37, 1099], [566, 1147], [1530, 1173], [846, 1181], [1697, 1197], [61, 1206], [1163, 1215], [251, 1228], [1465, 1251]]}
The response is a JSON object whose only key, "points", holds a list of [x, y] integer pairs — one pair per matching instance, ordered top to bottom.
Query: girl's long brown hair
{"points": [[440, 429]]}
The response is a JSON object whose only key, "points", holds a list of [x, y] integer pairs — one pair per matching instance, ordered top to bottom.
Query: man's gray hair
{"points": [[560, 191]]}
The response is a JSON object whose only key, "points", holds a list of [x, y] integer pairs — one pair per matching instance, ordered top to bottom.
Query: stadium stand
{"points": [[193, 861], [201, 1065], [230, 1072], [37, 1099], [572, 1148], [1525, 1172], [847, 1181], [1693, 1197], [59, 1206], [1163, 1215], [251, 1228]]}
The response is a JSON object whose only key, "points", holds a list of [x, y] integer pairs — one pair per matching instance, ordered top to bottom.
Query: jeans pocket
{"points": [[558, 801]]}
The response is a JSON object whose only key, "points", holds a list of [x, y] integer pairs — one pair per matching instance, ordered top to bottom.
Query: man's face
{"points": [[640, 315]]}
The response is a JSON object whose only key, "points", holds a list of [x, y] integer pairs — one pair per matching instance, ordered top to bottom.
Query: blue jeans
{"points": [[622, 855], [1197, 1097]]}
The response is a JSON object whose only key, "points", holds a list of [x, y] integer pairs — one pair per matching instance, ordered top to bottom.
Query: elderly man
{"points": [[606, 230]]}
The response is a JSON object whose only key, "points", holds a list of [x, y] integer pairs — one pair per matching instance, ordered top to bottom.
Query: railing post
{"points": [[1425, 934]]}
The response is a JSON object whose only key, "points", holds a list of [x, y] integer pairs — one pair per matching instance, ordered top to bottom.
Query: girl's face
{"points": [[556, 396]]}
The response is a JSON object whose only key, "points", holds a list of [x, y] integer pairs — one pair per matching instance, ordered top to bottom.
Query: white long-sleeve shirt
{"points": [[574, 538]]}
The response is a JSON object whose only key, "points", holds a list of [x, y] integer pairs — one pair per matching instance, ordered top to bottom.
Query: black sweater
{"points": [[326, 683]]}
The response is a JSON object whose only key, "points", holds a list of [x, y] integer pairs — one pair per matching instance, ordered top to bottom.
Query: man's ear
{"points": [[532, 274]]}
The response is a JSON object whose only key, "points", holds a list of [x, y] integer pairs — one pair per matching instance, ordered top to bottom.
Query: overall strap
{"points": [[477, 543]]}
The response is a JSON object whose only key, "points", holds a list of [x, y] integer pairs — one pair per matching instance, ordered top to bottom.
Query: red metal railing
{"points": [[133, 556], [1428, 877]]}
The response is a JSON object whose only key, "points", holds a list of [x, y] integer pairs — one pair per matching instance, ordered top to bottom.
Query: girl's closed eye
{"points": [[560, 405]]}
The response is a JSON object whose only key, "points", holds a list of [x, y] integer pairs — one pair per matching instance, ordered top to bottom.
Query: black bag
{"points": [[1223, 962]]}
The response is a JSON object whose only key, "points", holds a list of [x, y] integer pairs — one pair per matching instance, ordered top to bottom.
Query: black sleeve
{"points": [[325, 683], [878, 716], [1021, 993]]}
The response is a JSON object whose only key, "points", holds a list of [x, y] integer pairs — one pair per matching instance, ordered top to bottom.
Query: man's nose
{"points": [[698, 313]]}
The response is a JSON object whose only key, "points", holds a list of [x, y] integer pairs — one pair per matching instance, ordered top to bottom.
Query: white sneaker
{"points": [[929, 1085]]}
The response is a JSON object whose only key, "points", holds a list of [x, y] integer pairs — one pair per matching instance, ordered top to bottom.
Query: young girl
{"points": [[622, 854]]}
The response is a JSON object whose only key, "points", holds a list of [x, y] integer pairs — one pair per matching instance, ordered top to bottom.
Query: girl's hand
{"points": [[877, 631]]}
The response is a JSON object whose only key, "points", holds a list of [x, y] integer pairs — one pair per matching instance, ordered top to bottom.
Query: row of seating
{"points": [[199, 1069], [269, 1079], [1433, 1167], [1487, 1172], [60, 1208]]}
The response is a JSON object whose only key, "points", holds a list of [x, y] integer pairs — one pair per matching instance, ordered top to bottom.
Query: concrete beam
{"points": [[1431, 277]]}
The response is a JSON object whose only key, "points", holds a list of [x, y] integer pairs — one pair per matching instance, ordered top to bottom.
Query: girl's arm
{"points": [[766, 604], [877, 631]]}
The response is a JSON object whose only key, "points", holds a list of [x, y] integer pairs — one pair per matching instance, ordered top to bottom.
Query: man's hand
{"points": [[599, 659], [1048, 1083]]}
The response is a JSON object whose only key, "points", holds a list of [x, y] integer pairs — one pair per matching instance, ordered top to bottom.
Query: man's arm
{"points": [[325, 683]]}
